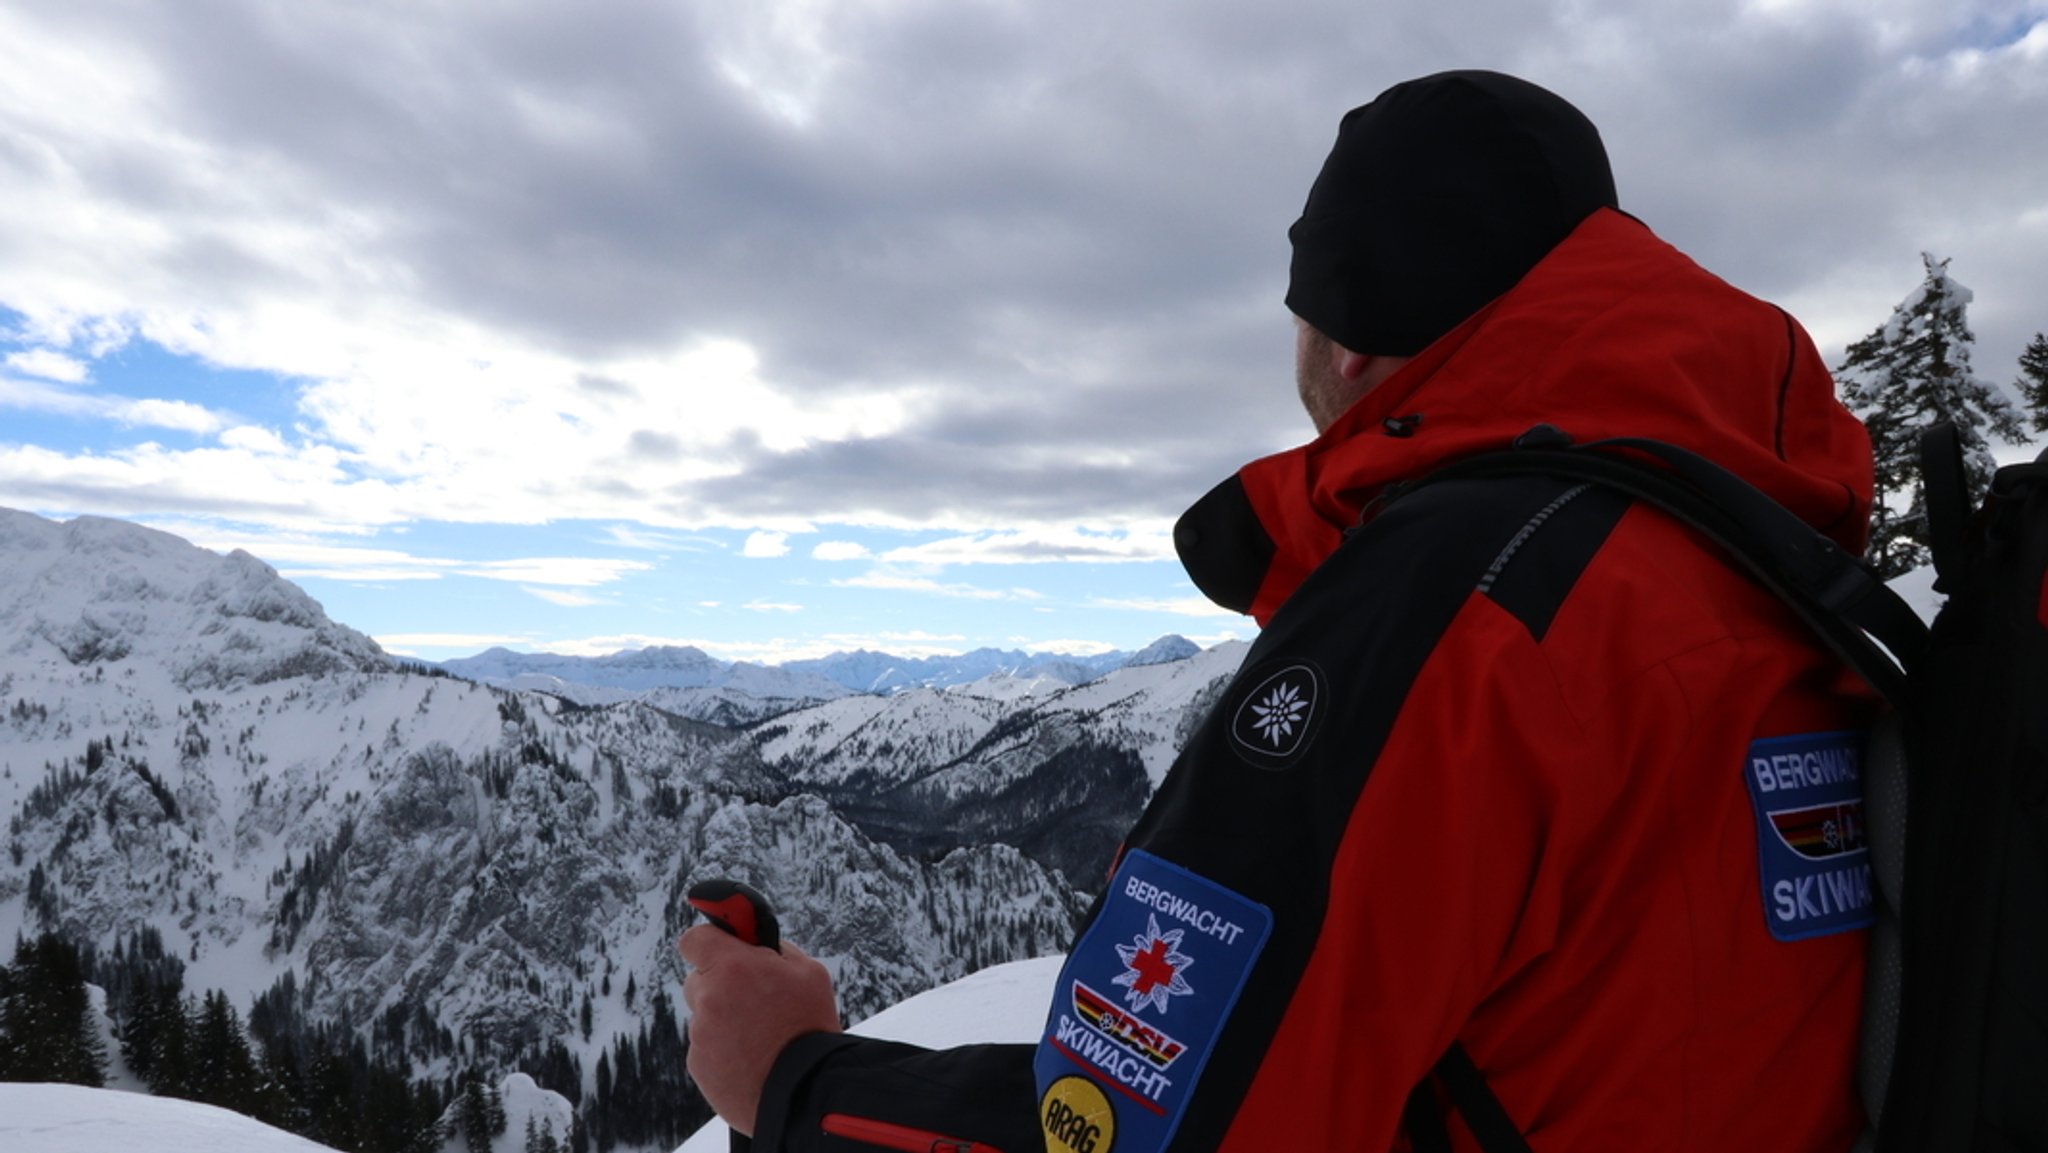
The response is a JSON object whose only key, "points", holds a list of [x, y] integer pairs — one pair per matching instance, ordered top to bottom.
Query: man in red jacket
{"points": [[1516, 779]]}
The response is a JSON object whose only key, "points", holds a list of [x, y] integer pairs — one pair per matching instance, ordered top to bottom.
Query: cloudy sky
{"points": [[781, 326]]}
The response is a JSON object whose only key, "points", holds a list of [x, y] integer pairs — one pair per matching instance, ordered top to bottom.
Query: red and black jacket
{"points": [[1497, 772]]}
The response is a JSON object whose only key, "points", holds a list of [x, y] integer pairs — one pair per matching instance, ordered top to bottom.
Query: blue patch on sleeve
{"points": [[1807, 792], [1139, 1006]]}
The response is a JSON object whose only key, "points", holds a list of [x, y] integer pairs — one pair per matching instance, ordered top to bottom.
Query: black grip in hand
{"points": [[739, 909]]}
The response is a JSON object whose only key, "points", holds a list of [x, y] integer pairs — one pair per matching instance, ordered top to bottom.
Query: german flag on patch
{"points": [[1818, 832]]}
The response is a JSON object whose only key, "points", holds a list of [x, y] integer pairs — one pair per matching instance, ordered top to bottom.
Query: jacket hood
{"points": [[1613, 333]]}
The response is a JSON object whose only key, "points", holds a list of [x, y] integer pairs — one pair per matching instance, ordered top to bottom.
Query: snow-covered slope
{"points": [[188, 744], [70, 1119]]}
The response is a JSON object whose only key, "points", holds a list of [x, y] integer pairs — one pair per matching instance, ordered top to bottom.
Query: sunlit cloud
{"points": [[48, 365], [635, 536], [766, 544], [1041, 546], [575, 571], [898, 582], [562, 598], [1195, 606], [772, 607]]}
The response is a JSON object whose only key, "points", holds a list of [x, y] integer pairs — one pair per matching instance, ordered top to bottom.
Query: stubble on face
{"points": [[1323, 390]]}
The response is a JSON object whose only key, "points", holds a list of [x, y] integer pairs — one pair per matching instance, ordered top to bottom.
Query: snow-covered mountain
{"points": [[93, 592], [468, 876]]}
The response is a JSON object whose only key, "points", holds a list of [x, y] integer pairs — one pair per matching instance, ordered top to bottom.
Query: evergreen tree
{"points": [[1910, 372], [2033, 381], [50, 1031], [13, 1054], [224, 1068], [476, 1114]]}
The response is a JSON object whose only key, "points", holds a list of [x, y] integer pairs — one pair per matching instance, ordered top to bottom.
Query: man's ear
{"points": [[1353, 365]]}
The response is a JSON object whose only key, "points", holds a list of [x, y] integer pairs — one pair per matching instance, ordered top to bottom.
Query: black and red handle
{"points": [[739, 909]]}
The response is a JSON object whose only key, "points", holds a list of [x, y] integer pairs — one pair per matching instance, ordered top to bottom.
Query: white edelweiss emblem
{"points": [[1281, 710], [1277, 719]]}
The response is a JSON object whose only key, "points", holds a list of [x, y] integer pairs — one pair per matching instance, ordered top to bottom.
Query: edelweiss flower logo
{"points": [[1276, 716], [1276, 720], [1153, 964]]}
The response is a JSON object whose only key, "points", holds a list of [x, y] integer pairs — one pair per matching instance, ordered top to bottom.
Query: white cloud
{"points": [[48, 365], [179, 415], [250, 438], [647, 540], [766, 544], [1042, 546], [837, 550], [556, 570], [359, 574], [898, 582], [561, 598], [1195, 606], [772, 607]]}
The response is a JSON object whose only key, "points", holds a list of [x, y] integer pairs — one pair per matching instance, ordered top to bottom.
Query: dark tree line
{"points": [[48, 1031], [315, 1078], [643, 1097]]}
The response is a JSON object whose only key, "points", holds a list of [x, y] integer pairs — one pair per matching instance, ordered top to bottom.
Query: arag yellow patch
{"points": [[1077, 1117]]}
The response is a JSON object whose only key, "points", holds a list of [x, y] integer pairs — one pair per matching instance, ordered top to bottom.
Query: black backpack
{"points": [[1955, 1022]]}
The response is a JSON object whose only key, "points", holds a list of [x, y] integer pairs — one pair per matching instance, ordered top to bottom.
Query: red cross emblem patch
{"points": [[1153, 968]]}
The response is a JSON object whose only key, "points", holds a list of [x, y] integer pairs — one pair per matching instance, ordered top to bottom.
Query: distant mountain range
{"points": [[823, 678]]}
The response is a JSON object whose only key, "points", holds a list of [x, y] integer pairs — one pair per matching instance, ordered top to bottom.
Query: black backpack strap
{"points": [[1945, 485], [1838, 596], [1470, 1095], [1490, 1124]]}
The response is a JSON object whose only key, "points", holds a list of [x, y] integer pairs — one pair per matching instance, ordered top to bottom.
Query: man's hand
{"points": [[746, 1003]]}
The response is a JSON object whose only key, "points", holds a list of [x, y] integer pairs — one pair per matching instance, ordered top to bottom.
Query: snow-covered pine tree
{"points": [[1910, 372], [2033, 381]]}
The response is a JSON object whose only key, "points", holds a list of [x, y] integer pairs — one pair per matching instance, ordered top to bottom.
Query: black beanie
{"points": [[1438, 196]]}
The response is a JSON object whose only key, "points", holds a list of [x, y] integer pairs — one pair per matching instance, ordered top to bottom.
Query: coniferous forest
{"points": [[321, 1081]]}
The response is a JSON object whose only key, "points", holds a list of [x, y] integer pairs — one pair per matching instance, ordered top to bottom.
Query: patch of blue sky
{"points": [[1990, 31], [143, 369], [69, 400]]}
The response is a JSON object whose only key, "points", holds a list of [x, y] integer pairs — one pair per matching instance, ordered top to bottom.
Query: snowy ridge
{"points": [[93, 590]]}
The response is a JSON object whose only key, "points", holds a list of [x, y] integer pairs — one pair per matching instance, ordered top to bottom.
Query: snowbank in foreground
{"points": [[1000, 1003], [73, 1119]]}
